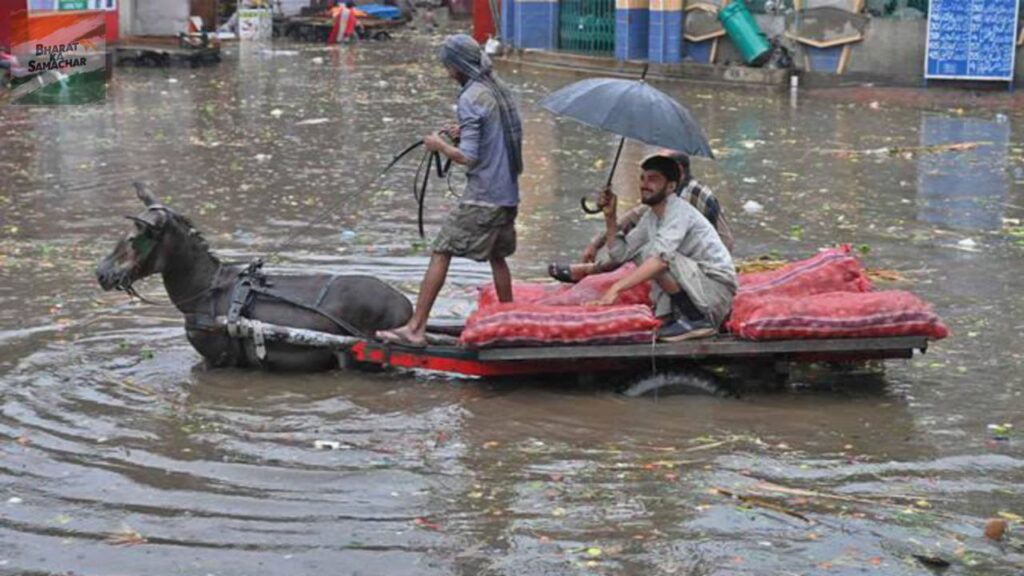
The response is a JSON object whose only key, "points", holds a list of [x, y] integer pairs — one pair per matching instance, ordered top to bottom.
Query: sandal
{"points": [[561, 272]]}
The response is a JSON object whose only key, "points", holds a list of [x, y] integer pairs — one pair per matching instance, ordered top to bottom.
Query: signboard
{"points": [[971, 39]]}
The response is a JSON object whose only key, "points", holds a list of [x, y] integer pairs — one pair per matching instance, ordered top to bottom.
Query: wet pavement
{"points": [[120, 453]]}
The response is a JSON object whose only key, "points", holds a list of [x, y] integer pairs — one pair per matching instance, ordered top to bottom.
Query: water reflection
{"points": [[968, 189]]}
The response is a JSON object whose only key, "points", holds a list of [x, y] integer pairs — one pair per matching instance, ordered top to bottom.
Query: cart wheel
{"points": [[382, 35], [684, 379]]}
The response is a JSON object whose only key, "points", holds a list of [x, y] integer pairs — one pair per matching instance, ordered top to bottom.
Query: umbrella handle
{"points": [[615, 164], [608, 184], [588, 209]]}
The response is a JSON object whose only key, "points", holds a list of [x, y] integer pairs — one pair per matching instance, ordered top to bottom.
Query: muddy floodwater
{"points": [[121, 454]]}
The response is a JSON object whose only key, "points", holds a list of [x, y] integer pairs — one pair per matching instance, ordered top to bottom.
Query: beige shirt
{"points": [[680, 230]]}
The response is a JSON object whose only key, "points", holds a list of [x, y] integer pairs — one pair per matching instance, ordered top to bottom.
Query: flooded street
{"points": [[121, 454]]}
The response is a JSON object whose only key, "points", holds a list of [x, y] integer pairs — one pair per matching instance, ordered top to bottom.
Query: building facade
{"points": [[884, 38]]}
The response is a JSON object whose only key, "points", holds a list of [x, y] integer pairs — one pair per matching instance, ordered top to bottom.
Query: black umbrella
{"points": [[631, 109]]}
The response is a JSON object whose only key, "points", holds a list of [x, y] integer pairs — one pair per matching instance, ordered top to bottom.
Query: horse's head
{"points": [[142, 252]]}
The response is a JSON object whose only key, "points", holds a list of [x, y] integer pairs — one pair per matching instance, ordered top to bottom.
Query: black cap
{"points": [[668, 167]]}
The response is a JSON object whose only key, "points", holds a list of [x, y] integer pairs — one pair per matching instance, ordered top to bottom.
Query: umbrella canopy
{"points": [[632, 109]]}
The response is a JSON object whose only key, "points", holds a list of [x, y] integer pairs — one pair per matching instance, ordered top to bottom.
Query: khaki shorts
{"points": [[478, 232]]}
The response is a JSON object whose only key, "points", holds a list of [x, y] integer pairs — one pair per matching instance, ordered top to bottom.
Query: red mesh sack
{"points": [[832, 270], [524, 292], [583, 292], [841, 315], [520, 324]]}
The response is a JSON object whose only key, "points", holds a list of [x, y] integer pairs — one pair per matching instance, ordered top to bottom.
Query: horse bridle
{"points": [[144, 246], [249, 280]]}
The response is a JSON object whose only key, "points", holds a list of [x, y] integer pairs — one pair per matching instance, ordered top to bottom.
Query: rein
{"points": [[442, 168], [419, 188], [289, 241], [145, 245], [130, 290]]}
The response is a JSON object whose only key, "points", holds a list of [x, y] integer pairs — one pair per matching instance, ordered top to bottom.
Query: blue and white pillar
{"points": [[508, 21], [536, 24], [631, 29], [665, 44]]}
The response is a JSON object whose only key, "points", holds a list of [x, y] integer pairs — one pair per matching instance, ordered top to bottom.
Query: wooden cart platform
{"points": [[445, 355], [582, 359]]}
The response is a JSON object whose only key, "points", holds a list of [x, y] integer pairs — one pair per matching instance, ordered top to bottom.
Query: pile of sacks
{"points": [[827, 296], [545, 313]]}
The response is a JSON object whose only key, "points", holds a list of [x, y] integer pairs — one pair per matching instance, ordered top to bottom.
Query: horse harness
{"points": [[250, 284]]}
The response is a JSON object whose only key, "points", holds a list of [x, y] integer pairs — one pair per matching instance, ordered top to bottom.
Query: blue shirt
{"points": [[490, 179]]}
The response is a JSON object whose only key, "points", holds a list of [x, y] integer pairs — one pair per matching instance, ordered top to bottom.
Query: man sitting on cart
{"points": [[689, 189], [692, 276]]}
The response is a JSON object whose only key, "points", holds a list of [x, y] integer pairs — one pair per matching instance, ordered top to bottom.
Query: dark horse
{"points": [[201, 287]]}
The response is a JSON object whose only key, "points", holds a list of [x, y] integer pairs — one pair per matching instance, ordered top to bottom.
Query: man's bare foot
{"points": [[403, 336]]}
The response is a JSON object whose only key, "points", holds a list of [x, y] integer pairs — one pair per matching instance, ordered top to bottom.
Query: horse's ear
{"points": [[141, 190], [140, 223]]}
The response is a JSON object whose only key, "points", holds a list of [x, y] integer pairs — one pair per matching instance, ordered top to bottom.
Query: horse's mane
{"points": [[192, 232]]}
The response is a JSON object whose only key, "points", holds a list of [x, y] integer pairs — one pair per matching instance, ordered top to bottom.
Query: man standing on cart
{"points": [[482, 226]]}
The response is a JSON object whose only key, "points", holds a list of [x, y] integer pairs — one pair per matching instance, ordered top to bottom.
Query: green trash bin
{"points": [[741, 27]]}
